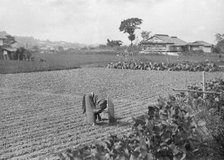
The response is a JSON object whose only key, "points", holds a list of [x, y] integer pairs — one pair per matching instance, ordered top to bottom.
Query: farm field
{"points": [[79, 59], [54, 62], [40, 113]]}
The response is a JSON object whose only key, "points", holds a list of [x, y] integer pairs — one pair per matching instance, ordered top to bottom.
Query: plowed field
{"points": [[40, 113]]}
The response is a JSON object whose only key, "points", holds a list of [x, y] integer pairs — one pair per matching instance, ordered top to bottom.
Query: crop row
{"points": [[181, 66], [40, 112], [168, 131], [39, 133]]}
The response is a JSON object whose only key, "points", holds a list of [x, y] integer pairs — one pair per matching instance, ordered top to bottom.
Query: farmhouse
{"points": [[3, 37], [1, 40], [162, 43], [199, 46], [7, 49]]}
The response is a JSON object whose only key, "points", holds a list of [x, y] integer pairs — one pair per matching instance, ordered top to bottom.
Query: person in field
{"points": [[93, 103]]}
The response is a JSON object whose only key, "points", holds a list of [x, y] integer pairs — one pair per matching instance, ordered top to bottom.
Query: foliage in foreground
{"points": [[211, 111], [181, 127], [167, 132]]}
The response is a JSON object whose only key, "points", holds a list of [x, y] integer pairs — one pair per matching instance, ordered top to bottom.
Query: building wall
{"points": [[1, 42], [155, 47], [158, 47], [162, 48], [195, 48], [176, 49], [207, 49], [1, 53]]}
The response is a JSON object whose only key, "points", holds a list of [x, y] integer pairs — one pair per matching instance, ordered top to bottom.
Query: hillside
{"points": [[31, 41]]}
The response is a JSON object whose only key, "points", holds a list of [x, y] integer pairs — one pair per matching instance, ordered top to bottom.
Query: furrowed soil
{"points": [[40, 113]]}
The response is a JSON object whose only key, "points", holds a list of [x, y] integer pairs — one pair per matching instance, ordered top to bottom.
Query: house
{"points": [[3, 37], [1, 40], [162, 43], [199, 46], [7, 50]]}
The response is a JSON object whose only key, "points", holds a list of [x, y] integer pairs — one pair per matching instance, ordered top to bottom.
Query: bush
{"points": [[211, 110], [215, 121]]}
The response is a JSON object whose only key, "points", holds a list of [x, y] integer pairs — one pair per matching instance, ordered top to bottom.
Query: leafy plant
{"points": [[181, 66], [211, 111], [176, 128], [171, 132]]}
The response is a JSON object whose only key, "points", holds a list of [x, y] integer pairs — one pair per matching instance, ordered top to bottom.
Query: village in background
{"points": [[155, 44], [27, 54]]}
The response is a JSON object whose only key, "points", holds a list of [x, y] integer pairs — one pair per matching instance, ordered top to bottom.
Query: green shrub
{"points": [[211, 110], [215, 121], [170, 131]]}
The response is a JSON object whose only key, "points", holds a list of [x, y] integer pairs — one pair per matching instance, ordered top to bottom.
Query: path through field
{"points": [[40, 113]]}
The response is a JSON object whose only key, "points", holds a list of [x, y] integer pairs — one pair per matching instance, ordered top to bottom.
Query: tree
{"points": [[129, 26], [145, 35], [219, 37], [114, 43], [219, 47], [60, 48], [22, 54]]}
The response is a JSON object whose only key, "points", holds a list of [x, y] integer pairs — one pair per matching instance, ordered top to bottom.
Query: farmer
{"points": [[93, 105]]}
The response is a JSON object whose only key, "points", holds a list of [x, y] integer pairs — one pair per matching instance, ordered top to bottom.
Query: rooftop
{"points": [[3, 34], [166, 39], [199, 43]]}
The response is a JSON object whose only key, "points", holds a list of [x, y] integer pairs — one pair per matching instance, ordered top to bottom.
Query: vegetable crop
{"points": [[181, 66], [169, 131]]}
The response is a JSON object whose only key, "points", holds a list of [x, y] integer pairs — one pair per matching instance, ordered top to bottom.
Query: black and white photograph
{"points": [[111, 80]]}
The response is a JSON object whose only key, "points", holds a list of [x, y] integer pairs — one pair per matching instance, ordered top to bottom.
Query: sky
{"points": [[93, 21]]}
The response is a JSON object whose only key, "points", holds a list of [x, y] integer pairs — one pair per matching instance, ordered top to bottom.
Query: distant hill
{"points": [[22, 41], [31, 41]]}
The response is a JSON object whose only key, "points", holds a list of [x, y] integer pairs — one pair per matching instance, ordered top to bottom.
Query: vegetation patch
{"points": [[181, 66], [173, 129]]}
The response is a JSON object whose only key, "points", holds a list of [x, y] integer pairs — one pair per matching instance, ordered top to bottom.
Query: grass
{"points": [[96, 58], [55, 62]]}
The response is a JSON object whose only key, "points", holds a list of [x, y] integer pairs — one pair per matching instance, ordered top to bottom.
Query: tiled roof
{"points": [[3, 34], [2, 37], [166, 40], [178, 41], [151, 42], [199, 43], [11, 49]]}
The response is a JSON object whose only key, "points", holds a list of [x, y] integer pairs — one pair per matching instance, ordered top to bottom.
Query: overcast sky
{"points": [[93, 21]]}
